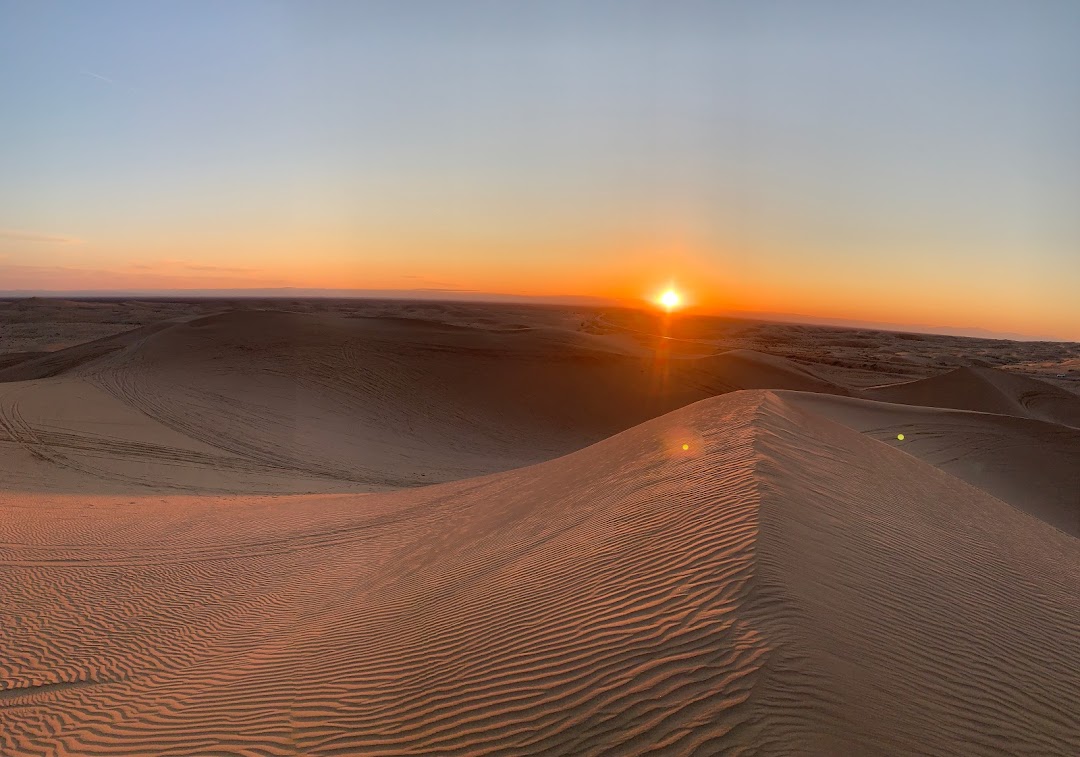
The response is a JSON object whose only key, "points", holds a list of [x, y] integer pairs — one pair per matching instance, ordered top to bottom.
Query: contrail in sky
{"points": [[99, 76], [111, 82]]}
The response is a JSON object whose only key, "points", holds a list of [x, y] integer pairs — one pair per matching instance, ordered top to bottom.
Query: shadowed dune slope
{"points": [[14, 358], [44, 365], [747, 369], [986, 390], [261, 401], [1033, 465], [785, 585]]}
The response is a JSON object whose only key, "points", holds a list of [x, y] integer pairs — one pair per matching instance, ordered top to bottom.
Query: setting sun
{"points": [[670, 300]]}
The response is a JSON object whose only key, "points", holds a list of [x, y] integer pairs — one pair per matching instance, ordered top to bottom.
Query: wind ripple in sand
{"points": [[785, 585], [549, 609]]}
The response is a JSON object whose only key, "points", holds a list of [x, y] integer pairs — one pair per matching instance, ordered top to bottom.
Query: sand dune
{"points": [[14, 358], [31, 366], [748, 369], [987, 390], [268, 401], [1032, 465], [212, 541], [784, 585]]}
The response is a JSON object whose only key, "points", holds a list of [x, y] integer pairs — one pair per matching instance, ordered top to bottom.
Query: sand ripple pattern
{"points": [[784, 585], [601, 601], [946, 621]]}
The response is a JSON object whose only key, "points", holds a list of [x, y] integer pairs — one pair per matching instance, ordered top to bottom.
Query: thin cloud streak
{"points": [[14, 235], [187, 265], [61, 277]]}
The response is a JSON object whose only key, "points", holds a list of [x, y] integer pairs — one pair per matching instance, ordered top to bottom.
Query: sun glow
{"points": [[669, 300]]}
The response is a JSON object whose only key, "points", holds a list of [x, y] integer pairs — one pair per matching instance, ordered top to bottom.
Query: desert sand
{"points": [[391, 528]]}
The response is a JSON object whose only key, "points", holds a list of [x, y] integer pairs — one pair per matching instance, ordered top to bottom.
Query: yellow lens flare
{"points": [[669, 299]]}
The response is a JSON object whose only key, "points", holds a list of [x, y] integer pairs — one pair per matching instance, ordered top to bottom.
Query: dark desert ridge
{"points": [[335, 527]]}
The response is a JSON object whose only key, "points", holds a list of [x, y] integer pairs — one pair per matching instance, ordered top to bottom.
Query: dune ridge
{"points": [[748, 369], [986, 390], [213, 541], [781, 585]]}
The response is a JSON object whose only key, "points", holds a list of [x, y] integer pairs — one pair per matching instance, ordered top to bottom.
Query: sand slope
{"points": [[29, 366], [747, 369], [987, 390], [262, 401], [69, 434], [1032, 465], [212, 542], [785, 585]]}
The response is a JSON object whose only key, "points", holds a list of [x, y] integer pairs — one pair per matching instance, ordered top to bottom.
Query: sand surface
{"points": [[410, 529]]}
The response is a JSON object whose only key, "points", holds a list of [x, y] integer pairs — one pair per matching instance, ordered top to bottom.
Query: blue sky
{"points": [[900, 161]]}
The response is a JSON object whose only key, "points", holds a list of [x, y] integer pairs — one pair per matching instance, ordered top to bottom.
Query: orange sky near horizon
{"points": [[870, 162], [710, 280]]}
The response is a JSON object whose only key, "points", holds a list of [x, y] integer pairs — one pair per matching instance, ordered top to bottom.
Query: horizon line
{"points": [[435, 294]]}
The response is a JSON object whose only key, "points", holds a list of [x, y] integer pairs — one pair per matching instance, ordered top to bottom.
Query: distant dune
{"points": [[437, 294], [747, 369], [989, 391], [271, 401], [1031, 464], [215, 539]]}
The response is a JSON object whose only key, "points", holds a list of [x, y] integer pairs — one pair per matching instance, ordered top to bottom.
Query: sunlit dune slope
{"points": [[986, 390], [267, 401], [786, 585]]}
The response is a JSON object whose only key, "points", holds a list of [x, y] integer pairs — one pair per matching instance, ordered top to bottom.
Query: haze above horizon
{"points": [[911, 164]]}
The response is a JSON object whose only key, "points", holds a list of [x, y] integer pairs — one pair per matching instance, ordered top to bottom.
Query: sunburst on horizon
{"points": [[669, 299]]}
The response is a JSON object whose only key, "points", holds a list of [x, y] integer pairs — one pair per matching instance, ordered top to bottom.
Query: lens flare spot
{"points": [[900, 437], [686, 446]]}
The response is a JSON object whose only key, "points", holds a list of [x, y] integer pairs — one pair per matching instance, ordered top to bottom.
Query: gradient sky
{"points": [[915, 162]]}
